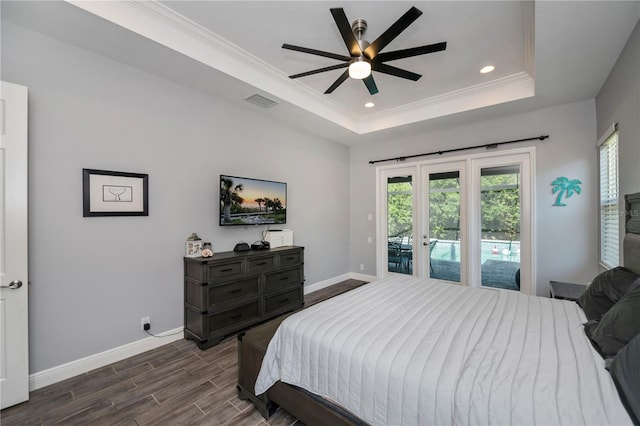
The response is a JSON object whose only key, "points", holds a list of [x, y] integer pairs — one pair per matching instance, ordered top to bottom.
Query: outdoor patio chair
{"points": [[393, 255]]}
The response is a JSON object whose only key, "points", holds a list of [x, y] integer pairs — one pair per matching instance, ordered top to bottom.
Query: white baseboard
{"points": [[362, 277], [326, 283], [83, 365]]}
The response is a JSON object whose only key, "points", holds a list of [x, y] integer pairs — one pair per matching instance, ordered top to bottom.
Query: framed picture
{"points": [[107, 193]]}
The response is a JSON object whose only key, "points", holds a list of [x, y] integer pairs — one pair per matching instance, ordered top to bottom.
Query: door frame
{"points": [[525, 160], [451, 164], [418, 169], [381, 212]]}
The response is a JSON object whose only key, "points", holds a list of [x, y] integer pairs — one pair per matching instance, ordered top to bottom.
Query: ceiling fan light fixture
{"points": [[360, 68]]}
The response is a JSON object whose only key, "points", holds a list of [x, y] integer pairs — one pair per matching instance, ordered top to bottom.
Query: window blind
{"points": [[609, 202]]}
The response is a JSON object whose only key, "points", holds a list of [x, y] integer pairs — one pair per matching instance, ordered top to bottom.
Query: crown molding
{"points": [[159, 23], [505, 89]]}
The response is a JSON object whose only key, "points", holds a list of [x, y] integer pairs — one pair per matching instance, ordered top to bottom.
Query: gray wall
{"points": [[619, 101], [566, 237], [94, 278]]}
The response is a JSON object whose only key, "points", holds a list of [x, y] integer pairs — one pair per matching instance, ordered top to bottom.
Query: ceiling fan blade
{"points": [[345, 30], [392, 32], [415, 51], [316, 52], [319, 70], [396, 72], [338, 82], [371, 84]]}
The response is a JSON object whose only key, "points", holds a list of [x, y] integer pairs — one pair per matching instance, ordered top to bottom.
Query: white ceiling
{"points": [[546, 53]]}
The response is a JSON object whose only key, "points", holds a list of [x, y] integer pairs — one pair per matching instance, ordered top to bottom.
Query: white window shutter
{"points": [[609, 202]]}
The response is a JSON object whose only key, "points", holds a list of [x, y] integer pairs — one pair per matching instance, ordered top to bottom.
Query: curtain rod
{"points": [[488, 146]]}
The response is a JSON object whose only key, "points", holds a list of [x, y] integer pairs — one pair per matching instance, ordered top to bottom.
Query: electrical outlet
{"points": [[362, 267], [143, 321]]}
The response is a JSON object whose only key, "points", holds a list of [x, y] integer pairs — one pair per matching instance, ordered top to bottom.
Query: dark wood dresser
{"points": [[231, 291]]}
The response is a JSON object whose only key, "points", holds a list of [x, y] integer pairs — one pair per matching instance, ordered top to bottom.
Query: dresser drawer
{"points": [[291, 259], [261, 263], [225, 269], [283, 279], [235, 290], [283, 301], [238, 315]]}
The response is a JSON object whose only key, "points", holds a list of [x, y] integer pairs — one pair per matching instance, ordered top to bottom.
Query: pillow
{"points": [[605, 290], [618, 326], [625, 370]]}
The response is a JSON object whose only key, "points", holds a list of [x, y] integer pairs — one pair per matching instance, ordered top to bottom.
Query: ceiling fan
{"points": [[366, 57]]}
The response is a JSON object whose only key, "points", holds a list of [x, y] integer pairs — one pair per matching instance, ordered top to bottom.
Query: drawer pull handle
{"points": [[261, 263], [226, 270], [284, 278], [237, 290], [284, 301], [236, 316]]}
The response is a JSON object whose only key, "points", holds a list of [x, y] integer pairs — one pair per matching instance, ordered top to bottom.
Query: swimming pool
{"points": [[490, 250]]}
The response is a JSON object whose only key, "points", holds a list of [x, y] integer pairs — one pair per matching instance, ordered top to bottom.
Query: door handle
{"points": [[13, 285]]}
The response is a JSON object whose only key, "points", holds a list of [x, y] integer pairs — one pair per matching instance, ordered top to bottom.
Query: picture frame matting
{"points": [[110, 193]]}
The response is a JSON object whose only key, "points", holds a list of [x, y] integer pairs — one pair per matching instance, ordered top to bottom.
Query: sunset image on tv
{"points": [[245, 201]]}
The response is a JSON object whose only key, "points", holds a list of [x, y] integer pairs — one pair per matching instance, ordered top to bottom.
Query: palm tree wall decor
{"points": [[564, 186]]}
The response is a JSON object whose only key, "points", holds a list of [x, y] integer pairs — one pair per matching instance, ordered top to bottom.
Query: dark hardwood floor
{"points": [[175, 384]]}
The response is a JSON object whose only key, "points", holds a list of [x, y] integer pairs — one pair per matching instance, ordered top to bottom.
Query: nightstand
{"points": [[567, 291]]}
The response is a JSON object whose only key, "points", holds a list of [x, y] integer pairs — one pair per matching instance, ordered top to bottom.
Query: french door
{"points": [[463, 220]]}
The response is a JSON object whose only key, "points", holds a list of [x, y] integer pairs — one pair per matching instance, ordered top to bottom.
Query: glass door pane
{"points": [[500, 194], [400, 224], [444, 226]]}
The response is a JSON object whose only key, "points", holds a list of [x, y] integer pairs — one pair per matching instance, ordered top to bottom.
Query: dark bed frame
{"points": [[311, 409], [314, 410]]}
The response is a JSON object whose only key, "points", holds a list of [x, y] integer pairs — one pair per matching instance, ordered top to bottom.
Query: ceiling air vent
{"points": [[261, 101]]}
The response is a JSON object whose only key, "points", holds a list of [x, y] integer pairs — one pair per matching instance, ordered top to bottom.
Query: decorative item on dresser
{"points": [[193, 246], [234, 290]]}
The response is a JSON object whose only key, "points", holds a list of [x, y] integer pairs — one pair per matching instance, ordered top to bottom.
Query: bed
{"points": [[404, 350]]}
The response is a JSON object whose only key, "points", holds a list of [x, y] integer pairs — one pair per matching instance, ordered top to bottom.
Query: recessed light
{"points": [[487, 69], [369, 105]]}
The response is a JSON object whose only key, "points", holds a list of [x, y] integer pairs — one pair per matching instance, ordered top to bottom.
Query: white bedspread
{"points": [[408, 351]]}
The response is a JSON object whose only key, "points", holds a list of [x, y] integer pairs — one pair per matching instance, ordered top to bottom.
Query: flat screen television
{"points": [[246, 201]]}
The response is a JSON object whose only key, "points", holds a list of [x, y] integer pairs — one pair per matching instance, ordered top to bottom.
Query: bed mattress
{"points": [[404, 350]]}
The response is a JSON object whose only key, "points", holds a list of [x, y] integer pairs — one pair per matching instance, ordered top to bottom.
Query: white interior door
{"points": [[14, 331]]}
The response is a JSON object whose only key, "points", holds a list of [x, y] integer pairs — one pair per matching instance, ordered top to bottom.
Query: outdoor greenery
{"points": [[444, 208], [500, 208], [399, 209]]}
